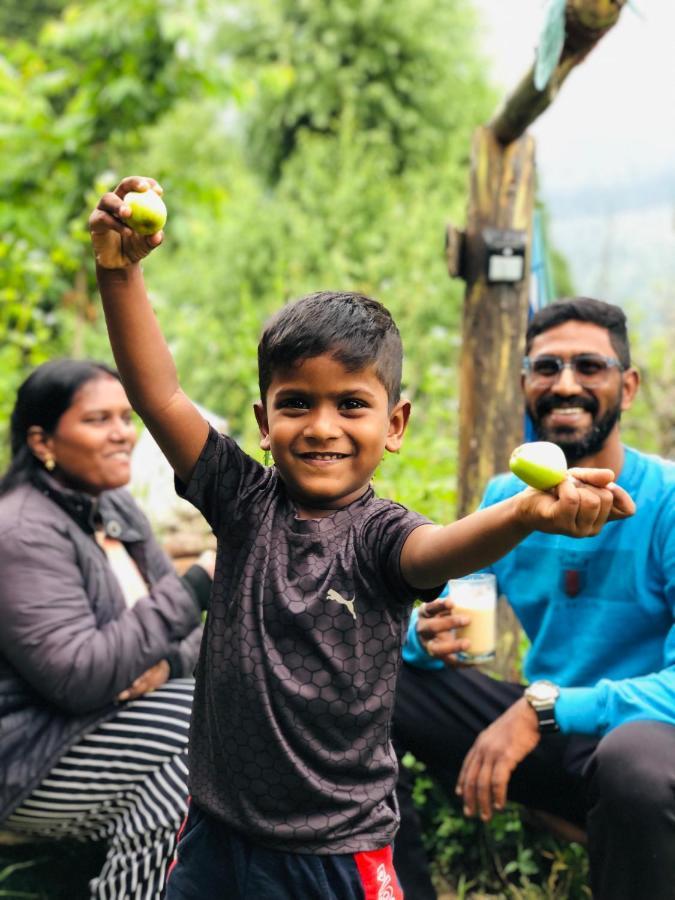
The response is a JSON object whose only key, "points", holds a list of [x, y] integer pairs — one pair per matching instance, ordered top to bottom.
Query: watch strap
{"points": [[547, 722]]}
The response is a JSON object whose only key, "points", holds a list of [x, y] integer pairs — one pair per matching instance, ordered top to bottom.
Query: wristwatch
{"points": [[541, 695]]}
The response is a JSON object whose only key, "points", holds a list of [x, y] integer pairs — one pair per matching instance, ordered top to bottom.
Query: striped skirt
{"points": [[124, 783]]}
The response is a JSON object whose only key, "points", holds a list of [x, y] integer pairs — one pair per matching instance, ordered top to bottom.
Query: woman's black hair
{"points": [[41, 401]]}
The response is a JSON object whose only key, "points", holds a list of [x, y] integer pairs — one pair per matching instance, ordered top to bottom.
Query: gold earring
{"points": [[49, 463]]}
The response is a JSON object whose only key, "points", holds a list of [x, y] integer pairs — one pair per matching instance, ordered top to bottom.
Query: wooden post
{"points": [[495, 313], [490, 417]]}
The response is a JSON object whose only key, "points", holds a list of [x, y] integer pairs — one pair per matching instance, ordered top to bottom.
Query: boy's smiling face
{"points": [[327, 429]]}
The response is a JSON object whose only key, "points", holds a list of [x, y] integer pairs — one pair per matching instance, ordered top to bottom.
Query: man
{"points": [[593, 737]]}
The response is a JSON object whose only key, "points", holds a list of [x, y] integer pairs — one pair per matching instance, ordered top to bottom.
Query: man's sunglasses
{"points": [[589, 369]]}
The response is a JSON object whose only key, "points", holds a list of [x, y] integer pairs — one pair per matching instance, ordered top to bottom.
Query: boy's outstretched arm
{"points": [[145, 364], [434, 553]]}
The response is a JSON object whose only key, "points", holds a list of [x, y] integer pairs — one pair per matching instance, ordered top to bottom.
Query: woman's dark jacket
{"points": [[68, 642]]}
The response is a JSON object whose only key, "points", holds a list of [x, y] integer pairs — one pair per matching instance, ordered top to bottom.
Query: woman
{"points": [[98, 638]]}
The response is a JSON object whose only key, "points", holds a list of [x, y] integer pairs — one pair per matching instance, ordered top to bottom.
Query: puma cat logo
{"points": [[333, 595]]}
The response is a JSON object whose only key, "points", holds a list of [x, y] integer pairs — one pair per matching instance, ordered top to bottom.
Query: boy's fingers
{"points": [[137, 183], [112, 204], [100, 222], [595, 477], [595, 497], [569, 500], [623, 504], [594, 507], [589, 511]]}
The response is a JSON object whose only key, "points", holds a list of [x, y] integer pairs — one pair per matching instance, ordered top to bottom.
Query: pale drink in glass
{"points": [[475, 596]]}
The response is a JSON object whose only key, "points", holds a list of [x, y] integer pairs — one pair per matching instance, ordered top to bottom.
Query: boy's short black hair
{"points": [[584, 309], [356, 329]]}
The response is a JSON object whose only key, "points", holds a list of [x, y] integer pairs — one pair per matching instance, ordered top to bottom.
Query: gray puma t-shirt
{"points": [[289, 740]]}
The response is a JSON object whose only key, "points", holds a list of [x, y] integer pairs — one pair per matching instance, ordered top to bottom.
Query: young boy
{"points": [[291, 770]]}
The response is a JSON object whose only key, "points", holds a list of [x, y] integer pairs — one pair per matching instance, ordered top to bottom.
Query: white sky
{"points": [[614, 116], [605, 151]]}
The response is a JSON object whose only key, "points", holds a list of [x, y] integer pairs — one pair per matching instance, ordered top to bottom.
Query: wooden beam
{"points": [[586, 22]]}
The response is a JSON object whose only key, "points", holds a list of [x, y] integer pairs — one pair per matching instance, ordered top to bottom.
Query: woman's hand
{"points": [[116, 245], [436, 624], [149, 681]]}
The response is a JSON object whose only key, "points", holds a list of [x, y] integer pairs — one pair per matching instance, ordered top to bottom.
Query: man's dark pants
{"points": [[620, 789]]}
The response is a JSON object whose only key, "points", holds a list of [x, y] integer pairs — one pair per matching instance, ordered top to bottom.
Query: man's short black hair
{"points": [[583, 309], [357, 330]]}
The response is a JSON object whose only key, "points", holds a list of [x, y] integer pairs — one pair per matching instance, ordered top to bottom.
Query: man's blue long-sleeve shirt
{"points": [[599, 612]]}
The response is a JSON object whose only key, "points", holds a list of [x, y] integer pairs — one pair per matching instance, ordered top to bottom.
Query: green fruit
{"points": [[148, 212], [540, 464]]}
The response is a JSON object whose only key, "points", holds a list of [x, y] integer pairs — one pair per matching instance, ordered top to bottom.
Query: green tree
{"points": [[25, 19], [408, 75], [71, 92], [301, 146], [361, 203]]}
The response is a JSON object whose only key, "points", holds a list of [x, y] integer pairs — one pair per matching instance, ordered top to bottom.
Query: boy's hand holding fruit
{"points": [[126, 224]]}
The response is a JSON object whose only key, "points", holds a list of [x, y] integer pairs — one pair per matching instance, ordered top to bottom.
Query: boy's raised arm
{"points": [[144, 361], [434, 553]]}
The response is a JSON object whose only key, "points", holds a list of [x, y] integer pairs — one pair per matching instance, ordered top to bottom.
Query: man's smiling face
{"points": [[576, 417]]}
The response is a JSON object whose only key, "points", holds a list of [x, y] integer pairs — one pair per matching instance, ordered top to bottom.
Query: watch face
{"points": [[541, 691], [541, 695]]}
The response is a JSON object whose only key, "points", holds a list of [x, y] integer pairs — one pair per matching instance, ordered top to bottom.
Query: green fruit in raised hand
{"points": [[148, 212], [540, 464]]}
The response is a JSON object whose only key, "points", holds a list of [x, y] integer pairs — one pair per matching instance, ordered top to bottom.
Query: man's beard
{"points": [[574, 446]]}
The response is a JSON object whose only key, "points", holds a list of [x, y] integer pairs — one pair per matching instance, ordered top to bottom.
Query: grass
{"points": [[505, 860], [49, 870]]}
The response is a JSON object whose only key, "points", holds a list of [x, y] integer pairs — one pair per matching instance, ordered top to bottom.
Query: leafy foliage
{"points": [[24, 20], [390, 67], [86, 83], [301, 146], [350, 205], [650, 424], [503, 858], [49, 870]]}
